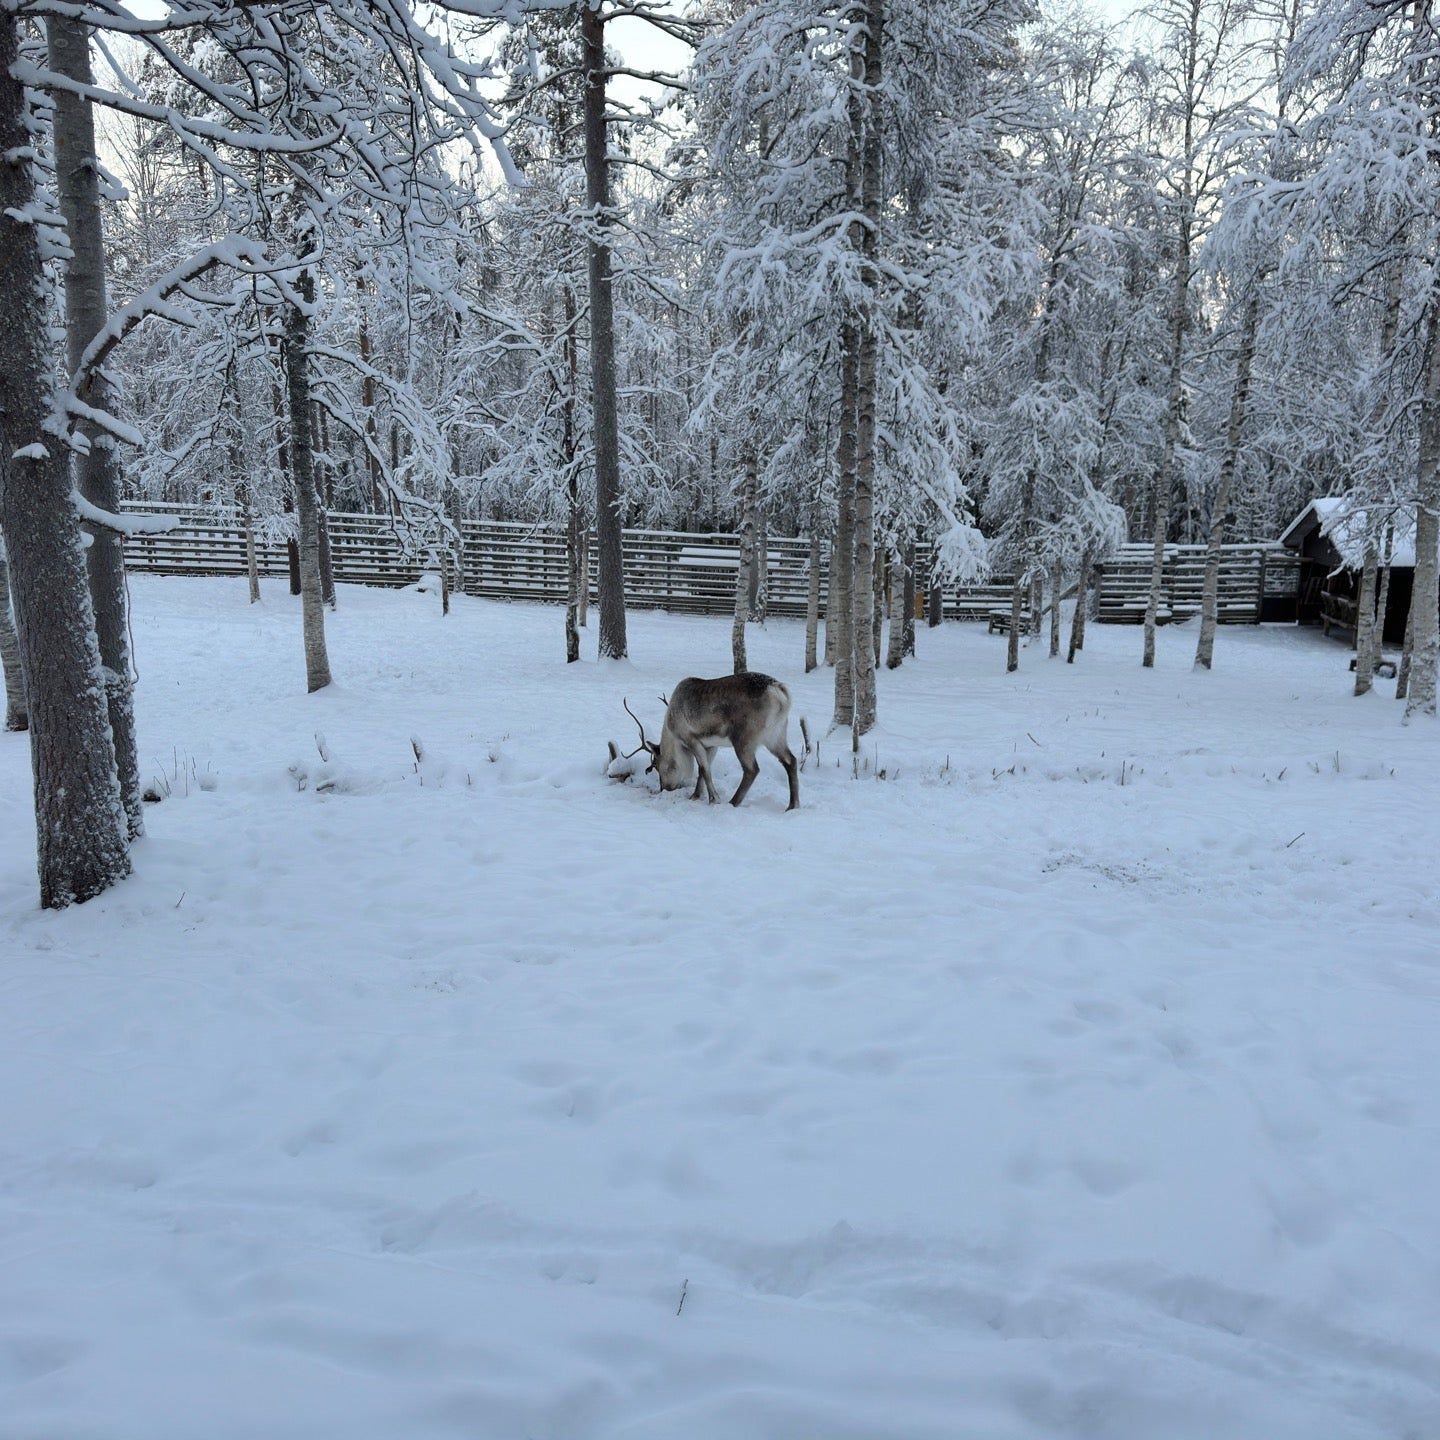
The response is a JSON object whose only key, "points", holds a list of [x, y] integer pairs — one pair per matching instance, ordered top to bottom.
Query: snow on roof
{"points": [[1345, 528]]}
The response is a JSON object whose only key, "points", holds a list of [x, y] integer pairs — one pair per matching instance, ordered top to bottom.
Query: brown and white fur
{"points": [[745, 711]]}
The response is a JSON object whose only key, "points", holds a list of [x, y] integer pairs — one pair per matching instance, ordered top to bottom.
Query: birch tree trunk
{"points": [[867, 364], [605, 422], [1229, 462], [302, 469], [97, 471], [1165, 474], [574, 527], [327, 559], [252, 561], [745, 572], [760, 573], [584, 576], [1056, 579], [909, 598], [812, 600], [1425, 600], [1037, 601], [1382, 604], [840, 614], [1077, 621], [1365, 621], [895, 651], [16, 716], [80, 820]]}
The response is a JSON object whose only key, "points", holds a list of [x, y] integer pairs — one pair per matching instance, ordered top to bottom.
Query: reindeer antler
{"points": [[644, 743]]}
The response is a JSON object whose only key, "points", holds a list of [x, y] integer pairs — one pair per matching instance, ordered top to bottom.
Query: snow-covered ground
{"points": [[1079, 1078]]}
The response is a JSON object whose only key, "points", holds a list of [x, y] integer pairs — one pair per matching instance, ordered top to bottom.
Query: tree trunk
{"points": [[868, 110], [605, 422], [1229, 462], [97, 471], [1165, 474], [307, 502], [574, 525], [252, 562], [327, 562], [745, 571], [760, 571], [584, 576], [1056, 580], [908, 599], [812, 601], [1037, 601], [1382, 604], [877, 605], [935, 608], [840, 614], [1077, 621], [1365, 621], [1425, 646], [1407, 647], [895, 651], [16, 715], [80, 819]]}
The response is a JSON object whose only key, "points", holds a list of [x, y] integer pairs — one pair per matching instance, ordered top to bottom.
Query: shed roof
{"points": [[1345, 526]]}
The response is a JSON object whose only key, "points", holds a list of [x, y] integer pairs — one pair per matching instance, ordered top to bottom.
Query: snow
{"points": [[1077, 1079]]}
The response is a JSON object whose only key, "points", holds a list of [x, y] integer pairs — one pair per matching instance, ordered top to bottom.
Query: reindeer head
{"points": [[666, 761]]}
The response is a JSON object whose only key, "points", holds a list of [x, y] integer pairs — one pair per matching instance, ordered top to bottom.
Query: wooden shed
{"points": [[1327, 536]]}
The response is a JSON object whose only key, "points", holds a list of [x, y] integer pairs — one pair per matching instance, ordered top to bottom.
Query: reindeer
{"points": [[745, 710]]}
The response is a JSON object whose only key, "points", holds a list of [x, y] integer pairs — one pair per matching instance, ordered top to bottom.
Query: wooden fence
{"points": [[508, 561], [694, 572], [1256, 582]]}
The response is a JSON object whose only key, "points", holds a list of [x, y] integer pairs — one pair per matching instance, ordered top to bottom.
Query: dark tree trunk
{"points": [[605, 421], [98, 471], [574, 526], [745, 571], [812, 601], [840, 608], [16, 715], [79, 814]]}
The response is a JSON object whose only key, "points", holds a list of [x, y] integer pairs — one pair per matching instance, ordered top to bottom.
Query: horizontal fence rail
{"points": [[506, 560], [695, 573], [1255, 582]]}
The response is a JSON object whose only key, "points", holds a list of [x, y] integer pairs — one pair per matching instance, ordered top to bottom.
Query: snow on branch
{"points": [[123, 524]]}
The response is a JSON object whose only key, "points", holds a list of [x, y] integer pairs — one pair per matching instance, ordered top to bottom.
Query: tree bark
{"points": [[866, 374], [605, 421], [1229, 462], [302, 469], [97, 471], [1165, 474], [574, 538], [327, 560], [745, 571], [760, 571], [584, 576], [1056, 580], [908, 598], [812, 601], [840, 615], [1365, 620], [1077, 621], [1425, 647], [895, 650], [1402, 674], [16, 715], [80, 819]]}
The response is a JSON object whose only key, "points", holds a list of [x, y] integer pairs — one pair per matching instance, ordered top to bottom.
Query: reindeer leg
{"points": [[697, 752], [705, 755], [786, 757], [751, 767]]}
